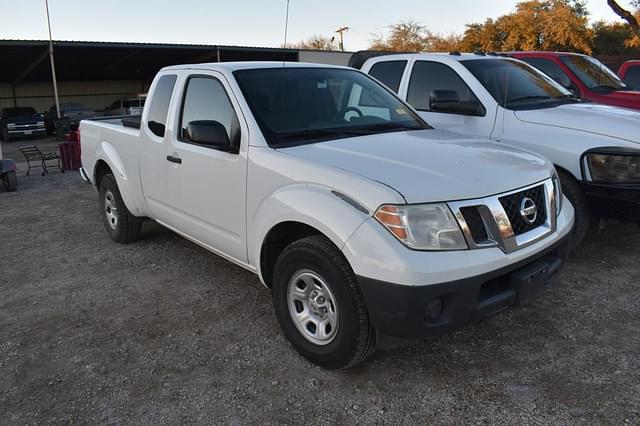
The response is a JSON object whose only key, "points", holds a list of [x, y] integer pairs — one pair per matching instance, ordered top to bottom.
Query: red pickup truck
{"points": [[629, 72], [585, 76]]}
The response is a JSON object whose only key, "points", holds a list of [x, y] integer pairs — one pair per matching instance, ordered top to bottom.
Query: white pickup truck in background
{"points": [[595, 148], [356, 214]]}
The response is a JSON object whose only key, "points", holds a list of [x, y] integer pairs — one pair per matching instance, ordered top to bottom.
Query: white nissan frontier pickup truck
{"points": [[595, 148], [358, 216]]}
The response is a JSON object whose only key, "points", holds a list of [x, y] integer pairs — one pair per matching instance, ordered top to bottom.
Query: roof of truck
{"points": [[453, 56], [235, 66]]}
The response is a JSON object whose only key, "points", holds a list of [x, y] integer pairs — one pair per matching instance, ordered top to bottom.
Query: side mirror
{"points": [[573, 89], [448, 101], [208, 132]]}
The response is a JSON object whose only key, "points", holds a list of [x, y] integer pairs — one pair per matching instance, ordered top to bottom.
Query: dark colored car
{"points": [[629, 72], [585, 76], [131, 106], [71, 111], [20, 122]]}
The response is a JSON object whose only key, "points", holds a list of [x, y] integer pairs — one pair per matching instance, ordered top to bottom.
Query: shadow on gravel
{"points": [[162, 331]]}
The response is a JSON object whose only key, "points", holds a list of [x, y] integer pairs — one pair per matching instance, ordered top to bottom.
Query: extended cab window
{"points": [[389, 73], [432, 80], [206, 100], [159, 107]]}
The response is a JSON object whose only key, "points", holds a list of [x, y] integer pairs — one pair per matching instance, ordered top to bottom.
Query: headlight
{"points": [[40, 123], [612, 168], [557, 191], [423, 226]]}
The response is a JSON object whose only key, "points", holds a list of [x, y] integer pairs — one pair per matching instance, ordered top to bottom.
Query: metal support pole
{"points": [[53, 65]]}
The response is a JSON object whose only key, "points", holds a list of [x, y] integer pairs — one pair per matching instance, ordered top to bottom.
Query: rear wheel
{"points": [[10, 181], [572, 190], [121, 225], [320, 306]]}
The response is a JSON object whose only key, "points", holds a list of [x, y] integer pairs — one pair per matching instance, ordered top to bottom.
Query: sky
{"points": [[243, 22]]}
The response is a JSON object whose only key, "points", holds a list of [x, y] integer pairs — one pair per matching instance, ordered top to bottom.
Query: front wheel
{"points": [[10, 181], [575, 195], [121, 225], [319, 305]]}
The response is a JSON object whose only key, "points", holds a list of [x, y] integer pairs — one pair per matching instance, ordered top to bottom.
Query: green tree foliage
{"points": [[614, 39]]}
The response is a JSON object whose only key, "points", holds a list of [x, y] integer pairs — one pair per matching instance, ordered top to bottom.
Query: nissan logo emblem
{"points": [[528, 210]]}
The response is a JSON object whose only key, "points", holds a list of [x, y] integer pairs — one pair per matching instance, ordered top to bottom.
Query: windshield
{"points": [[593, 73], [516, 85], [304, 105], [69, 106], [17, 112]]}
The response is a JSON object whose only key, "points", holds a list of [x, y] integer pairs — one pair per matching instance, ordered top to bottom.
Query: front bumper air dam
{"points": [[614, 201], [430, 310]]}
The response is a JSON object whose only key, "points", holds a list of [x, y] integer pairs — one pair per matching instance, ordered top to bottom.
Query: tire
{"points": [[10, 181], [574, 193], [121, 225], [315, 264]]}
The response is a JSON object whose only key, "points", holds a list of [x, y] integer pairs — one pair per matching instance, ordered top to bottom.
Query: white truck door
{"points": [[446, 102], [153, 137], [206, 185]]}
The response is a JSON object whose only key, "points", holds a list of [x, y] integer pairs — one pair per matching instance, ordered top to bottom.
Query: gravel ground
{"points": [[163, 332]]}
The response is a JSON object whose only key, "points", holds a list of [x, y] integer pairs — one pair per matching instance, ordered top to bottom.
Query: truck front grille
{"points": [[512, 206], [511, 220], [475, 223]]}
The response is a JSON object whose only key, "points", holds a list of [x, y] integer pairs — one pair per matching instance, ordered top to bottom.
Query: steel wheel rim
{"points": [[111, 210], [312, 307]]}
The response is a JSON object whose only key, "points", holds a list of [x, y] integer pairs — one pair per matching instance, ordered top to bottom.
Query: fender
{"points": [[107, 153], [313, 205]]}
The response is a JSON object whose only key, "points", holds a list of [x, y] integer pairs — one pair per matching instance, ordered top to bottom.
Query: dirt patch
{"points": [[162, 331]]}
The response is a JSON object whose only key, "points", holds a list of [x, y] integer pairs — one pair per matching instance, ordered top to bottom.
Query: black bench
{"points": [[37, 158]]}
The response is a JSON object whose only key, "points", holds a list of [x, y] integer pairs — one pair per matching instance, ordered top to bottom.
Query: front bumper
{"points": [[36, 131], [614, 201], [430, 310]]}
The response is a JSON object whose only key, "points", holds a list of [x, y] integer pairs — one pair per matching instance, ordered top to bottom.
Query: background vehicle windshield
{"points": [[593, 73], [516, 85], [303, 105], [69, 106], [17, 112]]}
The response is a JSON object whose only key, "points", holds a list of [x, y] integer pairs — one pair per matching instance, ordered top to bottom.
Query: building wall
{"points": [[327, 57], [94, 94]]}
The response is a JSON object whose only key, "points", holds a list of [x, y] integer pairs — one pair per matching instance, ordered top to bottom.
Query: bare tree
{"points": [[626, 15]]}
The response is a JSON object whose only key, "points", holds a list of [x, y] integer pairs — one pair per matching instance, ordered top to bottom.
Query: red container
{"points": [[69, 155]]}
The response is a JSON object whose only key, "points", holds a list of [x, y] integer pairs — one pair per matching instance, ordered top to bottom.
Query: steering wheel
{"points": [[342, 113]]}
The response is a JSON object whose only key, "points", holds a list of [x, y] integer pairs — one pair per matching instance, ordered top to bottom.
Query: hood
{"points": [[626, 98], [79, 113], [24, 119], [603, 120], [430, 165]]}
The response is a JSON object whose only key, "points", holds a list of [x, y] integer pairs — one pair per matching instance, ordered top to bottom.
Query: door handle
{"points": [[173, 159]]}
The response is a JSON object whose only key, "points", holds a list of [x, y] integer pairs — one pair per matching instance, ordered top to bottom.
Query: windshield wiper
{"points": [[607, 87], [529, 98], [321, 133]]}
